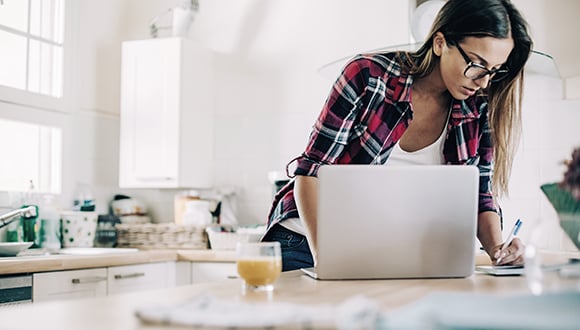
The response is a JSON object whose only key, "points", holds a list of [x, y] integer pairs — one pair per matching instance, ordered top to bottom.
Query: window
{"points": [[32, 35], [31, 89], [35, 158]]}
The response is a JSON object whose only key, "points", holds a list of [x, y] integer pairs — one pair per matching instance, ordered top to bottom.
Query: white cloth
{"points": [[357, 312]]}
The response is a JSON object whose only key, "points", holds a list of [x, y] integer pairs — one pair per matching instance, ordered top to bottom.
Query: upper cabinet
{"points": [[167, 115]]}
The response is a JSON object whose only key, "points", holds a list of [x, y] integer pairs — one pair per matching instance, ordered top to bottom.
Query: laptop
{"points": [[390, 222]]}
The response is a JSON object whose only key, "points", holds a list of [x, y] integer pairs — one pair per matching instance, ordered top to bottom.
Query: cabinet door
{"points": [[149, 112], [166, 115], [202, 272], [139, 277], [69, 284]]}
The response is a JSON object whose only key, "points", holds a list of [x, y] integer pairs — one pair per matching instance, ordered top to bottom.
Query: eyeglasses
{"points": [[476, 71]]}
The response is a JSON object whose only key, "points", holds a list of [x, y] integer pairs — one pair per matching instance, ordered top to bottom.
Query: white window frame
{"points": [[9, 95], [35, 108]]}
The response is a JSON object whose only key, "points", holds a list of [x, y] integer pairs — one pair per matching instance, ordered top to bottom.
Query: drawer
{"points": [[138, 277], [69, 284]]}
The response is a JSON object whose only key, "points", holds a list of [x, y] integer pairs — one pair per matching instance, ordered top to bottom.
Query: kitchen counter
{"points": [[45, 263], [118, 311]]}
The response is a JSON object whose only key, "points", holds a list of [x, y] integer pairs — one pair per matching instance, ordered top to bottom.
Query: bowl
{"points": [[11, 249]]}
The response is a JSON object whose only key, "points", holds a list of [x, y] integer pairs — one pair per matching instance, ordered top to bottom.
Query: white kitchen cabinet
{"points": [[167, 116], [202, 272], [140, 277], [98, 282], [71, 284]]}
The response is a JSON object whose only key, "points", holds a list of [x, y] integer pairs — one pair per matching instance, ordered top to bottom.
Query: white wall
{"points": [[268, 94], [550, 133]]}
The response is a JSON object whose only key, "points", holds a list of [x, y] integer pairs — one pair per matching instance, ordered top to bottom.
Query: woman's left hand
{"points": [[512, 255]]}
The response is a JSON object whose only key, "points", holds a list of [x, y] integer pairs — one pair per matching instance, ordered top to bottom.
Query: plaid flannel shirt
{"points": [[367, 112]]}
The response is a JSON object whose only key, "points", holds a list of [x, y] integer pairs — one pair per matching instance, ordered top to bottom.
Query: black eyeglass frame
{"points": [[503, 70]]}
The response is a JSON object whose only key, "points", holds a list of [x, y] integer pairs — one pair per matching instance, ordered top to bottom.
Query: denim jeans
{"points": [[295, 250]]}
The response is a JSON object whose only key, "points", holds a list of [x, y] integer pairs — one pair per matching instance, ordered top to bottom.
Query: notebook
{"points": [[387, 222], [507, 270]]}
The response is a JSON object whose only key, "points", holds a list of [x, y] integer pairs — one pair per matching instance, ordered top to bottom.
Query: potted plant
{"points": [[565, 198]]}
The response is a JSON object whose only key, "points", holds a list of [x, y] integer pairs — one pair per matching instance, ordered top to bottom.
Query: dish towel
{"points": [[207, 311]]}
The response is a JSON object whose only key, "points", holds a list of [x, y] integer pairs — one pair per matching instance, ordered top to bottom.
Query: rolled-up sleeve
{"points": [[487, 200]]}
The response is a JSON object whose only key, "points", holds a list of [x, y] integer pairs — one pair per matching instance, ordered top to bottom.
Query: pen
{"points": [[511, 236]]}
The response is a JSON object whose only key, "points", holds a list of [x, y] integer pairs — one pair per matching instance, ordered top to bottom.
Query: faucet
{"points": [[27, 212]]}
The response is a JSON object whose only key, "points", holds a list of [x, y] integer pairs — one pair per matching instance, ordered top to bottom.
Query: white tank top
{"points": [[430, 155]]}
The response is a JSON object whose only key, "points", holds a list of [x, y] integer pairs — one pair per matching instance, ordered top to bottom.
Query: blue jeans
{"points": [[295, 250]]}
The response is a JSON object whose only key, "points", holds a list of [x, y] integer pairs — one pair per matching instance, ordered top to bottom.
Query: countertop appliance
{"points": [[15, 289]]}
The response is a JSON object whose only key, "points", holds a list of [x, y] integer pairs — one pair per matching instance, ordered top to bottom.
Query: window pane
{"points": [[14, 14], [46, 19], [12, 60], [45, 69], [34, 153], [21, 163]]}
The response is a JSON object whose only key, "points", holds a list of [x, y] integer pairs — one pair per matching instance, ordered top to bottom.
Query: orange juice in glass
{"points": [[259, 265]]}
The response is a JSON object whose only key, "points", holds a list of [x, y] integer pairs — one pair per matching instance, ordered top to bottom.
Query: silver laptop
{"points": [[383, 222]]}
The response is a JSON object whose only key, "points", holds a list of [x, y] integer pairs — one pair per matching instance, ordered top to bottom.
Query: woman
{"points": [[454, 101]]}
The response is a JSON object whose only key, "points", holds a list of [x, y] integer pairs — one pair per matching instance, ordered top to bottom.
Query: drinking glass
{"points": [[259, 265]]}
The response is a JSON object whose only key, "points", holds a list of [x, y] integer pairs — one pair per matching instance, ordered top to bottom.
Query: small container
{"points": [[84, 199], [180, 200], [197, 213], [30, 227], [78, 228], [50, 231], [106, 234]]}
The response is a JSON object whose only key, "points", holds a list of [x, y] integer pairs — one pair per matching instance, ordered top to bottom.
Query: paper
{"points": [[507, 270]]}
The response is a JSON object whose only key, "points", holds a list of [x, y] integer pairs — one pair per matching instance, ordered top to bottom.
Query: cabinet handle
{"points": [[158, 178], [132, 275], [94, 279]]}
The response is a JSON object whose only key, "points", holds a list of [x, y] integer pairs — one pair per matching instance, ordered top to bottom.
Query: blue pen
{"points": [[511, 236]]}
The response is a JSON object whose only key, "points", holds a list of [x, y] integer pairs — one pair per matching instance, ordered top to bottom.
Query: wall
{"points": [[270, 93], [550, 133]]}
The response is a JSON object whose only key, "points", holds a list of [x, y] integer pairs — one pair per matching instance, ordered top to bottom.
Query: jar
{"points": [[180, 200], [197, 213], [106, 234]]}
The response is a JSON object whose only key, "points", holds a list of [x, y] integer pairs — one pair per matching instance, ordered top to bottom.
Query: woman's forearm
{"points": [[305, 194], [489, 231]]}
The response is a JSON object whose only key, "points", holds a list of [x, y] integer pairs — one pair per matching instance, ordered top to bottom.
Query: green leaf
{"points": [[561, 199]]}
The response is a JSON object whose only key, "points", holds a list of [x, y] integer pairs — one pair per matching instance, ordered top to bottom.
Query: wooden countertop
{"points": [[44, 263], [118, 311]]}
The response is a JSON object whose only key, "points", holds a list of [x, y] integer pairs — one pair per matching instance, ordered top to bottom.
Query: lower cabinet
{"points": [[202, 272], [132, 278], [97, 282], [70, 284]]}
